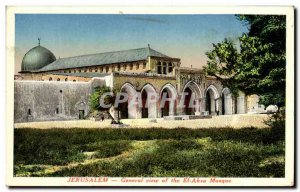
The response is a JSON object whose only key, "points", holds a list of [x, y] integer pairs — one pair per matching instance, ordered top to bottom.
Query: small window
{"points": [[144, 65], [131, 66], [137, 66], [170, 66], [119, 67], [124, 67], [159, 68], [101, 69], [107, 69], [74, 70], [85, 70], [96, 70], [65, 71], [70, 71], [50, 79], [58, 79], [66, 79], [74, 80], [60, 91], [57, 110], [29, 112]]}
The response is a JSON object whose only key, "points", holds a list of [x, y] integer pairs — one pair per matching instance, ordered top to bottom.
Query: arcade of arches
{"points": [[167, 101]]}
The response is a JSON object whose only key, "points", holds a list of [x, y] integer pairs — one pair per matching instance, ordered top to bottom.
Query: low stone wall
{"points": [[234, 121]]}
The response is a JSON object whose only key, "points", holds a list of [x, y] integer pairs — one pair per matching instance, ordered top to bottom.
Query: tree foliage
{"points": [[257, 64], [94, 101]]}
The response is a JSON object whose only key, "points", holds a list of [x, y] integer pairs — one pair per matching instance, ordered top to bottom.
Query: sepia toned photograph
{"points": [[155, 97]]}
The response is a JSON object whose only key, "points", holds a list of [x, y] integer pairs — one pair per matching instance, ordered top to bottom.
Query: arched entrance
{"points": [[168, 97], [211, 97], [149, 98], [192, 98], [226, 102], [144, 105], [128, 109], [188, 110]]}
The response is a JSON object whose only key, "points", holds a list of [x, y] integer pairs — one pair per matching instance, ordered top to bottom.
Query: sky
{"points": [[187, 37]]}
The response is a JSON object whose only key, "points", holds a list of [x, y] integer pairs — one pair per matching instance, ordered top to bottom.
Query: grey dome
{"points": [[37, 58]]}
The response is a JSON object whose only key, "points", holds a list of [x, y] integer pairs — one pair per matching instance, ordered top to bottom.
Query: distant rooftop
{"points": [[103, 58]]}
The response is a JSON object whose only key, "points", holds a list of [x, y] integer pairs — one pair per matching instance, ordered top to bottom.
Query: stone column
{"points": [[198, 103], [228, 104], [240, 104], [213, 106], [172, 108], [132, 109]]}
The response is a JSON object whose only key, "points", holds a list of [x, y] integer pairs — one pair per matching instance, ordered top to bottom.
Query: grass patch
{"points": [[108, 148], [152, 152]]}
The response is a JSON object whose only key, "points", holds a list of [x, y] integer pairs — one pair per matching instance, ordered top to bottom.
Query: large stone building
{"points": [[59, 89]]}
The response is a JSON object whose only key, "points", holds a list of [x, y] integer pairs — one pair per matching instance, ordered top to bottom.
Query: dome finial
{"points": [[39, 39]]}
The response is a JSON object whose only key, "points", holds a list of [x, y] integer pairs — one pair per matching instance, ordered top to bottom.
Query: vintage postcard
{"points": [[150, 96]]}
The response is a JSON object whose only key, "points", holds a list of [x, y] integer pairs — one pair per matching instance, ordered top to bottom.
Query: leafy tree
{"points": [[258, 65], [94, 101]]}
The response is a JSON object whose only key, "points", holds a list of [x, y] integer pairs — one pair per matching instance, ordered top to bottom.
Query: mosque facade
{"points": [[50, 88]]}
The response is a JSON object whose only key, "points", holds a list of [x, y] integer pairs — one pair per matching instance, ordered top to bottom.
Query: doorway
{"points": [[81, 114]]}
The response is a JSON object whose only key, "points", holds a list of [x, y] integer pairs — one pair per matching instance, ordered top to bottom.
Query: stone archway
{"points": [[192, 97], [149, 98], [211, 100], [226, 102], [167, 104], [128, 109]]}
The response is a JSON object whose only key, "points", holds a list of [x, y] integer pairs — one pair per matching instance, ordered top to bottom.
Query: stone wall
{"points": [[139, 81], [50, 100], [253, 106]]}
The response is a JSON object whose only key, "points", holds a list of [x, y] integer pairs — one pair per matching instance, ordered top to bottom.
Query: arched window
{"points": [[144, 65], [131, 66], [137, 66], [119, 67], [125, 67], [159, 68], [170, 68], [106, 69], [79, 70], [50, 78], [58, 79], [66, 79], [29, 112]]}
